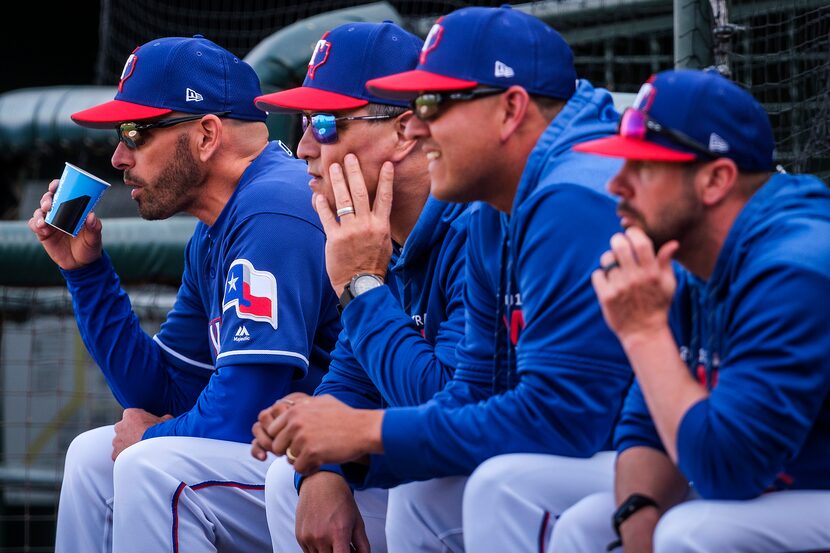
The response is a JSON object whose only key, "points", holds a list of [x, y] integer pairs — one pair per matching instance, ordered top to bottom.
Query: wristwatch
{"points": [[360, 283], [631, 505]]}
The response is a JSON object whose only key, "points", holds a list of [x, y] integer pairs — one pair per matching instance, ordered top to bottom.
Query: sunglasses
{"points": [[427, 106], [636, 124], [324, 125], [130, 133]]}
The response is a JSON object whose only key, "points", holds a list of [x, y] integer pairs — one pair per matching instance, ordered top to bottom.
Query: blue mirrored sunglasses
{"points": [[324, 125]]}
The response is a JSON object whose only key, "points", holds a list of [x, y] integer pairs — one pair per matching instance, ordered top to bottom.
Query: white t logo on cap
{"points": [[192, 96]]}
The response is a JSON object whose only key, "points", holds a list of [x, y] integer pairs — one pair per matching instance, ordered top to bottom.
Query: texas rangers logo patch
{"points": [[431, 42], [319, 56], [127, 72], [253, 293]]}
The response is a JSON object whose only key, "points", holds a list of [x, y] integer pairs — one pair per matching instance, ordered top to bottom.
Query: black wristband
{"points": [[631, 505]]}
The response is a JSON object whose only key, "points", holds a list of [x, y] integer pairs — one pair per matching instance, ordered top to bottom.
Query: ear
{"points": [[514, 104], [209, 137], [403, 145], [716, 181]]}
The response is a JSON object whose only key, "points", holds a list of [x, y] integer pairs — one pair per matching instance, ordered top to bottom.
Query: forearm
{"points": [[129, 359], [399, 361], [665, 381], [229, 405], [648, 472]]}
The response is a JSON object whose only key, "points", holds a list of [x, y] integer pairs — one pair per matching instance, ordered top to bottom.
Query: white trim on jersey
{"points": [[263, 352], [181, 357]]}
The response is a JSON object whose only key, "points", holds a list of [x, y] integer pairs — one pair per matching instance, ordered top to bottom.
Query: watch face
{"points": [[364, 283]]}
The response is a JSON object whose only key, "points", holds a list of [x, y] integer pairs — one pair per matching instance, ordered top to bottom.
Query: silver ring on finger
{"points": [[345, 211], [610, 267], [290, 454]]}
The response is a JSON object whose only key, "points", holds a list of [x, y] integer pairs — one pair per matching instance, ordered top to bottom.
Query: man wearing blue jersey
{"points": [[398, 268], [253, 312], [540, 376], [724, 439]]}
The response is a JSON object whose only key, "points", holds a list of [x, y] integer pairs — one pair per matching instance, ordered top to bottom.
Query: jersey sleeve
{"points": [[273, 284], [273, 288], [477, 350], [399, 360], [138, 370], [572, 370], [347, 381], [772, 384], [228, 405], [635, 427]]}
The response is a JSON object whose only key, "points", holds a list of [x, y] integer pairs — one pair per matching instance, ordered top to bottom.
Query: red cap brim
{"points": [[407, 85], [305, 98], [110, 114], [630, 148]]}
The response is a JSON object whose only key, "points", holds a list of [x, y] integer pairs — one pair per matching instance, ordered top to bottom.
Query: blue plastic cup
{"points": [[77, 193]]}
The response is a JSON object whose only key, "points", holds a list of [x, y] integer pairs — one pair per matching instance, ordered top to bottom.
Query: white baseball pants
{"points": [[162, 494], [513, 501], [509, 503], [281, 507], [773, 523]]}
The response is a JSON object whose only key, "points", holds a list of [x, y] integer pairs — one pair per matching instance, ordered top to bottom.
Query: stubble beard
{"points": [[176, 187]]}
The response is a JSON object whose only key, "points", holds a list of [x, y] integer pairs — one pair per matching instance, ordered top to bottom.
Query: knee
{"points": [[90, 452], [141, 462], [487, 481], [279, 482], [586, 526], [678, 531]]}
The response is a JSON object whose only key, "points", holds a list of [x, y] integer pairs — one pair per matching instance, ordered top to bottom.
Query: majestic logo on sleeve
{"points": [[431, 42], [319, 56], [127, 72], [253, 293]]}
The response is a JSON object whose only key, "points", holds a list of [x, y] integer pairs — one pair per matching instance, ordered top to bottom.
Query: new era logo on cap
{"points": [[503, 70], [191, 95], [718, 144]]}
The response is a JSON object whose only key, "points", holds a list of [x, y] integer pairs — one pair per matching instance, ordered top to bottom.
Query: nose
{"points": [[415, 128], [308, 148], [122, 158], [620, 184]]}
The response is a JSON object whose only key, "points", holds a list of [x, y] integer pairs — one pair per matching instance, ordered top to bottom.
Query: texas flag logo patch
{"points": [[319, 56], [253, 293]]}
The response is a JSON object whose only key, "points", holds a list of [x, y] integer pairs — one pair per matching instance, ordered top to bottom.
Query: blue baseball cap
{"points": [[498, 47], [341, 63], [191, 75], [715, 113]]}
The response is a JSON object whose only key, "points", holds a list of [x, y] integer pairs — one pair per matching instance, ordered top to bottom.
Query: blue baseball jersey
{"points": [[255, 311], [756, 335], [399, 341], [538, 369]]}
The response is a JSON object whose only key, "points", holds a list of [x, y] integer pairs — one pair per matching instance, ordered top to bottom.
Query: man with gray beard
{"points": [[254, 311]]}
